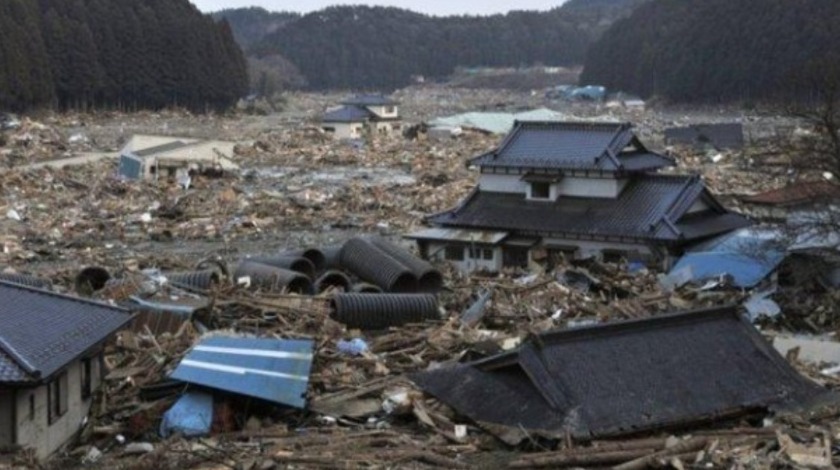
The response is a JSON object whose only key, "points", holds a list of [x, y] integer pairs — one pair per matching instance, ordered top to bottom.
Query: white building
{"points": [[365, 113], [150, 156], [579, 190]]}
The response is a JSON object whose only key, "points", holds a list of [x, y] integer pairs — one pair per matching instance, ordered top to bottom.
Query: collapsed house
{"points": [[373, 113], [724, 136], [150, 157], [576, 190], [804, 201], [51, 362], [624, 378]]}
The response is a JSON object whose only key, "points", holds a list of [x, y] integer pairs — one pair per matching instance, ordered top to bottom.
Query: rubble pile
{"points": [[299, 188]]}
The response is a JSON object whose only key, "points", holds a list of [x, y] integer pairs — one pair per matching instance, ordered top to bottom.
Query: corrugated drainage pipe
{"points": [[316, 256], [332, 257], [291, 263], [375, 266], [333, 278], [91, 279], [273, 279], [429, 279], [26, 280], [200, 280], [365, 288], [380, 311]]}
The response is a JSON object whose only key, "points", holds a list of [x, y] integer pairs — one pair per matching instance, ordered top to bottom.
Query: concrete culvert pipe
{"points": [[314, 255], [291, 263], [373, 265], [333, 278], [91, 279], [272, 279], [429, 279], [200, 280], [365, 288], [380, 311]]}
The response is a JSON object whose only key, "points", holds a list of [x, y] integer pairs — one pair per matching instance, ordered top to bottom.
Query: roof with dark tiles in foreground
{"points": [[581, 146], [651, 207], [41, 331]]}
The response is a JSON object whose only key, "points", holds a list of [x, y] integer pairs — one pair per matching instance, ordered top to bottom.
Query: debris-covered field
{"points": [[298, 188]]}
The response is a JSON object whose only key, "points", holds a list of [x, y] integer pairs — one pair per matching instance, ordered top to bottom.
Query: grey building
{"points": [[576, 189], [50, 364]]}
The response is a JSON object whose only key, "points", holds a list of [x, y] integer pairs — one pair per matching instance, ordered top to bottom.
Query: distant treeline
{"points": [[380, 48], [715, 50], [125, 54]]}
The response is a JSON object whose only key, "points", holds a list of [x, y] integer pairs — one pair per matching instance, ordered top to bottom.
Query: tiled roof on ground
{"points": [[348, 114], [720, 136], [583, 146], [802, 192], [650, 207], [42, 331], [623, 378]]}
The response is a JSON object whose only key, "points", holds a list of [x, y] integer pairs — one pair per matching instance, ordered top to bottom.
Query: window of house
{"points": [[390, 109], [540, 190], [454, 253], [488, 254], [86, 378], [57, 398], [31, 406]]}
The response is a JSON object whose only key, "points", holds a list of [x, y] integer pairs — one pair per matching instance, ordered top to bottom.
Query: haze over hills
{"points": [[376, 47], [715, 50]]}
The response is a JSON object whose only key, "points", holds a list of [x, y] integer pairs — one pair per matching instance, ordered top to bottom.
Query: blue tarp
{"points": [[747, 256], [270, 369], [191, 415]]}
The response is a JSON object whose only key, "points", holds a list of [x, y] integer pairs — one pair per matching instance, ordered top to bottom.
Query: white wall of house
{"points": [[388, 112], [344, 130], [502, 184], [567, 186], [591, 187], [698, 206], [468, 263], [33, 427]]}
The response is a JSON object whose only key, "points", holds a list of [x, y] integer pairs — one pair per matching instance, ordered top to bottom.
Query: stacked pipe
{"points": [[317, 257], [290, 263], [373, 265], [333, 278], [91, 279], [273, 279], [429, 279], [199, 280], [380, 311]]}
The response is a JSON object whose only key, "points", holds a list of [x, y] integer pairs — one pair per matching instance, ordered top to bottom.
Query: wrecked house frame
{"points": [[151, 157], [578, 190]]}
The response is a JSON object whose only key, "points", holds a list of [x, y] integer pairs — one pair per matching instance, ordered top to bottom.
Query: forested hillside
{"points": [[375, 47], [714, 50], [125, 54]]}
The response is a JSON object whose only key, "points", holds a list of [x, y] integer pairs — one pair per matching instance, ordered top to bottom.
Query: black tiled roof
{"points": [[369, 100], [348, 114], [720, 136], [590, 146], [650, 208], [41, 332], [623, 378]]}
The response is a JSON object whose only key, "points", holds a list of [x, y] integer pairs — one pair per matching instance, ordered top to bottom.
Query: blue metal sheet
{"points": [[131, 167], [746, 271], [269, 369]]}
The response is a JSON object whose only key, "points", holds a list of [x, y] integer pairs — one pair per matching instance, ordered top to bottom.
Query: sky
{"points": [[432, 7]]}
